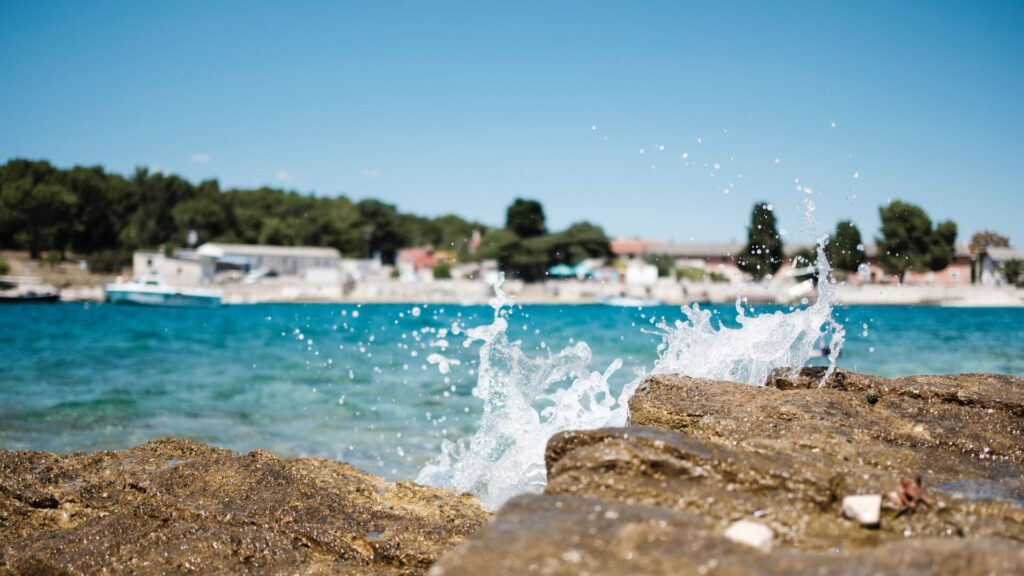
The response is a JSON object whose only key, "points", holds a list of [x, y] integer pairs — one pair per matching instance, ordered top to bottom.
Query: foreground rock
{"points": [[793, 441], [658, 497], [176, 506], [568, 535]]}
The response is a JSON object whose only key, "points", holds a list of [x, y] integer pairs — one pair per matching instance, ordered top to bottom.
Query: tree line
{"points": [[106, 216], [907, 241], [525, 248]]}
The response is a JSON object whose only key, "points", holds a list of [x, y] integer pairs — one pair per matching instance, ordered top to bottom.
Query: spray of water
{"points": [[760, 345], [529, 399], [526, 401]]}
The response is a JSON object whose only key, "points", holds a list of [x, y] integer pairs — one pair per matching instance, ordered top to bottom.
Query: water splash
{"points": [[760, 345], [527, 400]]}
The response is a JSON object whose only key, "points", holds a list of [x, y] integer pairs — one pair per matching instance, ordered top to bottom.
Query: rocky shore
{"points": [[864, 475], [178, 507]]}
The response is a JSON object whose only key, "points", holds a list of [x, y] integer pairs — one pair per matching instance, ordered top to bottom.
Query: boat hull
{"points": [[30, 299], [176, 299]]}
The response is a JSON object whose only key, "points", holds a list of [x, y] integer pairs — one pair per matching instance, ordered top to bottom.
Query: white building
{"points": [[992, 260], [305, 261], [184, 268], [640, 273]]}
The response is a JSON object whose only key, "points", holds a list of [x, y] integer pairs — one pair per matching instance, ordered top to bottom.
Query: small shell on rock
{"points": [[864, 509], [751, 533]]}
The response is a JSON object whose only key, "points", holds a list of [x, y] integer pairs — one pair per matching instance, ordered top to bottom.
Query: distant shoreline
{"points": [[471, 293]]}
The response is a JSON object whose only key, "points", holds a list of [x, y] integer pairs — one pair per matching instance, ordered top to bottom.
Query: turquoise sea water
{"points": [[354, 382]]}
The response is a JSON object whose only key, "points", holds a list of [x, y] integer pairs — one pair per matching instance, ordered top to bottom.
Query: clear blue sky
{"points": [[460, 107]]}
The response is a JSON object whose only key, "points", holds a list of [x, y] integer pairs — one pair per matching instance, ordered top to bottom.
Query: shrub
{"points": [[109, 261], [442, 271], [691, 274]]}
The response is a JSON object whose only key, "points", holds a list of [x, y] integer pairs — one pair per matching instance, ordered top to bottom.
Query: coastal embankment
{"points": [[77, 285], [470, 292], [856, 475]]}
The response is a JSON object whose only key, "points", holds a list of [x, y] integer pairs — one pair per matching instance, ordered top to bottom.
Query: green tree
{"points": [[40, 213], [205, 213], [97, 215], [526, 218], [380, 223], [454, 233], [909, 242], [576, 243], [499, 244], [845, 249], [763, 254], [806, 258], [530, 262], [665, 264], [442, 271], [1013, 272]]}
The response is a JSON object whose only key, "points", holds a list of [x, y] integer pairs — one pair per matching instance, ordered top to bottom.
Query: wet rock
{"points": [[963, 430], [711, 454], [799, 498], [176, 506], [864, 509], [557, 535]]}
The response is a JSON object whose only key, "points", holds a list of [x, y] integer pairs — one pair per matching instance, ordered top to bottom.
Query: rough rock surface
{"points": [[657, 497], [177, 506], [568, 535]]}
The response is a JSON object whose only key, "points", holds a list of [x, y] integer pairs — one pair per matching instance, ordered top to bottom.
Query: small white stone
{"points": [[864, 509], [751, 533]]}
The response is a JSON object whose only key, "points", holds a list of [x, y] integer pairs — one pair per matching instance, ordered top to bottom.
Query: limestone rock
{"points": [[658, 498], [799, 498], [175, 506], [556, 535]]}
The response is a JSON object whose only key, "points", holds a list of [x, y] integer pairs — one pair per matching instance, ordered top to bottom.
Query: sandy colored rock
{"points": [[952, 428], [963, 434], [657, 497], [798, 498], [177, 506], [556, 535]]}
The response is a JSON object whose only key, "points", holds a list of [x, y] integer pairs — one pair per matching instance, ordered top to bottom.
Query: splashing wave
{"points": [[529, 399]]}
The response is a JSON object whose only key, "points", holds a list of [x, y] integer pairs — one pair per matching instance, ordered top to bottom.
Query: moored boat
{"points": [[26, 290], [151, 291]]}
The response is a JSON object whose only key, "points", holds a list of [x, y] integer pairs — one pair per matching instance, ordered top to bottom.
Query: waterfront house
{"points": [[718, 257], [304, 261], [991, 261], [416, 263], [182, 268]]}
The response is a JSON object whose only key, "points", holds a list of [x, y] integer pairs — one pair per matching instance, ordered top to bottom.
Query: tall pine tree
{"points": [[845, 249], [763, 254]]}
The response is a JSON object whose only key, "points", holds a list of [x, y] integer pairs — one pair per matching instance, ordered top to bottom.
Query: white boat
{"points": [[26, 290], [152, 291], [628, 302]]}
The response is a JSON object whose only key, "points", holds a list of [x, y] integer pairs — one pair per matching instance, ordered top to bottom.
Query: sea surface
{"points": [[378, 386]]}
